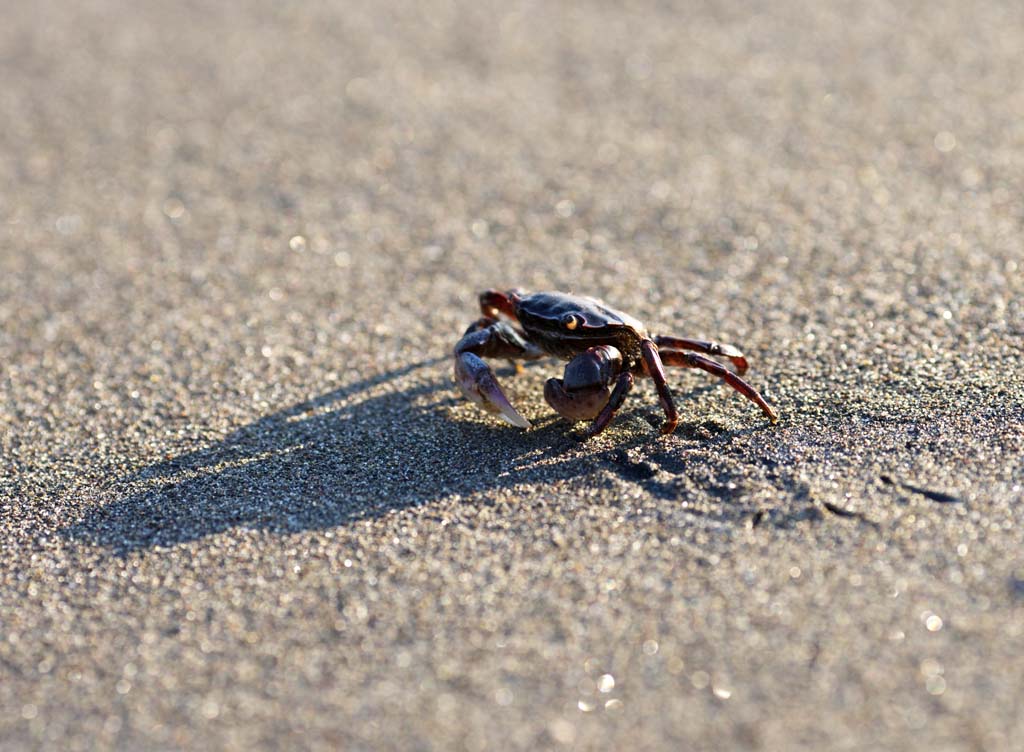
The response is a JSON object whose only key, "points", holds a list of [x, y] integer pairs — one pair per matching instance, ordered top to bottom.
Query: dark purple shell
{"points": [[544, 317]]}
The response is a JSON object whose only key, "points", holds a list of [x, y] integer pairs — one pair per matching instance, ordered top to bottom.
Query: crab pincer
{"points": [[491, 338], [478, 383]]}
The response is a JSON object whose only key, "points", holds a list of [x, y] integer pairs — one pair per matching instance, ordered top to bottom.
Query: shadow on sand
{"points": [[359, 451]]}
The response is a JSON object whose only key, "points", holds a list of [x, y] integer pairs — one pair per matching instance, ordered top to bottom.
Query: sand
{"points": [[243, 507]]}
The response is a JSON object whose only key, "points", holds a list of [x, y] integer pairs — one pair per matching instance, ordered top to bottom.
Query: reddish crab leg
{"points": [[493, 302], [708, 348], [690, 360], [655, 370], [622, 386]]}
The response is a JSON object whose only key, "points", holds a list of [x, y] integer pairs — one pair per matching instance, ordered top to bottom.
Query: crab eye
{"points": [[570, 321]]}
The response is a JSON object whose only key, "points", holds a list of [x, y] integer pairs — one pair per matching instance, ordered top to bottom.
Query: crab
{"points": [[606, 349]]}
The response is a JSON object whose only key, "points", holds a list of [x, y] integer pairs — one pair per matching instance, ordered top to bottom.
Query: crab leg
{"points": [[493, 302], [707, 348], [690, 360], [654, 369], [475, 377], [622, 386]]}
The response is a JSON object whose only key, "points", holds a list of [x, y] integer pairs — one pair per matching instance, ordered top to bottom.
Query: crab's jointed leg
{"points": [[493, 302], [490, 338], [707, 348], [690, 360], [654, 369], [622, 386]]}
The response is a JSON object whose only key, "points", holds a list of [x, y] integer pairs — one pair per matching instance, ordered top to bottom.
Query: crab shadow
{"points": [[382, 444]]}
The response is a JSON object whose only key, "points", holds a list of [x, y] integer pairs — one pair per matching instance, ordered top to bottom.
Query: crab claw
{"points": [[477, 381], [580, 404]]}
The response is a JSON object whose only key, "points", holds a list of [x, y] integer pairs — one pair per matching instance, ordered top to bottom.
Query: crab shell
{"points": [[566, 325]]}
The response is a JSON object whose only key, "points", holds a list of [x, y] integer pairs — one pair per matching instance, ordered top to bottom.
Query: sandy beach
{"points": [[243, 506]]}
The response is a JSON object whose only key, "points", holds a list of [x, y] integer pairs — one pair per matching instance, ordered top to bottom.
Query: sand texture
{"points": [[243, 507]]}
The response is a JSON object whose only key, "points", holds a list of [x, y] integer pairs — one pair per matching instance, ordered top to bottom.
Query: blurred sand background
{"points": [[242, 506]]}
